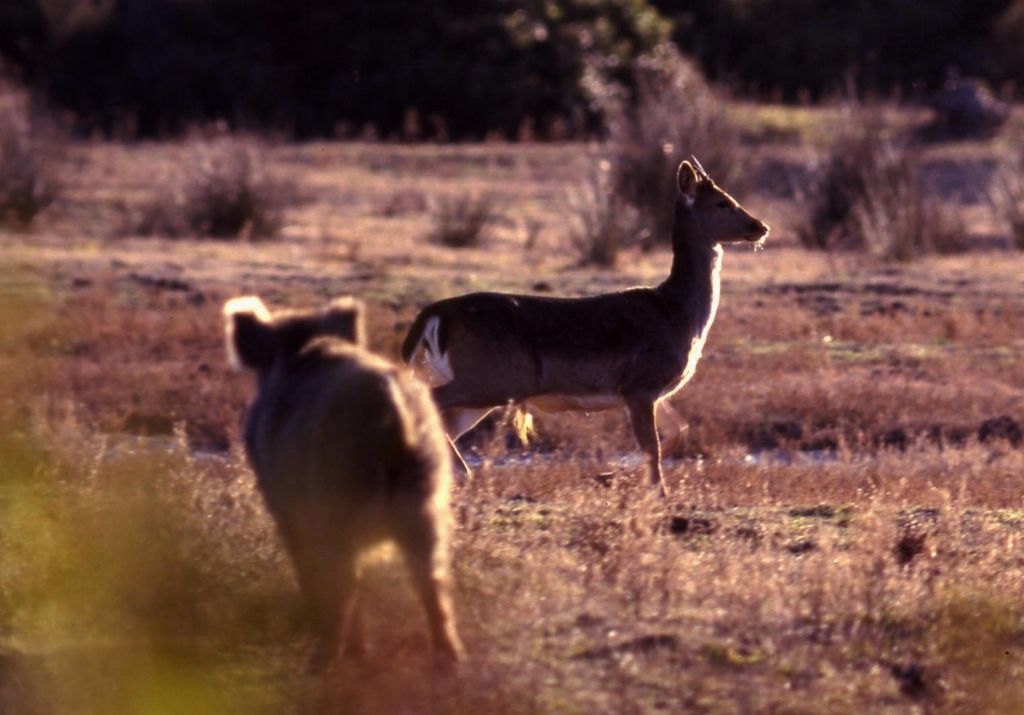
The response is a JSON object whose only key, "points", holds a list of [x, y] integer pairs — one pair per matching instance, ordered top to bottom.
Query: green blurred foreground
{"points": [[123, 586]]}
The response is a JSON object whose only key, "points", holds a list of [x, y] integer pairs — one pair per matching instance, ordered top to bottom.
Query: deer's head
{"points": [[718, 215]]}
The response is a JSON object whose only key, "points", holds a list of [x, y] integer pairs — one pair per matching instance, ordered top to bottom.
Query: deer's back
{"points": [[630, 339]]}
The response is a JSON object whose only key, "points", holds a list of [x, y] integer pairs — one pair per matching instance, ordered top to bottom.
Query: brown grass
{"points": [[839, 537], [886, 583]]}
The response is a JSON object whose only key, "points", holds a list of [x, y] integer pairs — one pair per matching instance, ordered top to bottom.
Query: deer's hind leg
{"points": [[460, 414], [642, 419], [458, 421], [672, 427]]}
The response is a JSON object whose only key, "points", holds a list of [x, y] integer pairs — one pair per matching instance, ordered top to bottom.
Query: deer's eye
{"points": [[723, 204]]}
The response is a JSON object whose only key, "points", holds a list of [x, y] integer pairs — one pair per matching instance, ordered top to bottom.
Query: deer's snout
{"points": [[758, 229]]}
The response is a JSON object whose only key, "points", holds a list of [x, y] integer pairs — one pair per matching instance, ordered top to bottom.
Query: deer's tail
{"points": [[416, 333]]}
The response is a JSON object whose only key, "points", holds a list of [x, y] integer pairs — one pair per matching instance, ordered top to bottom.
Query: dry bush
{"points": [[966, 108], [673, 114], [28, 179], [224, 191], [1006, 193], [867, 196], [403, 202], [463, 221], [600, 222]]}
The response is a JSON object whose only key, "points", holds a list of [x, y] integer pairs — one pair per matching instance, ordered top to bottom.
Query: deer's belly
{"points": [[575, 403]]}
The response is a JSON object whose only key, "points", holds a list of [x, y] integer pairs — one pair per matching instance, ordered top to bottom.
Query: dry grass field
{"points": [[845, 532]]}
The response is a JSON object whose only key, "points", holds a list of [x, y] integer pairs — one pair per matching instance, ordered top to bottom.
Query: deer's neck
{"points": [[692, 285]]}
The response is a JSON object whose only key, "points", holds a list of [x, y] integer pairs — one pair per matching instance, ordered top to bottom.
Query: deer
{"points": [[633, 348], [348, 450]]}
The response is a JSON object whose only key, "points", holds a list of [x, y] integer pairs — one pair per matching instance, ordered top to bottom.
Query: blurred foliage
{"points": [[812, 45], [449, 69], [457, 69], [130, 581], [114, 594]]}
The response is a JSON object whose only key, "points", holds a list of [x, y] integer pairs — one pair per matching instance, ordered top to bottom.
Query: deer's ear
{"points": [[686, 181], [251, 339]]}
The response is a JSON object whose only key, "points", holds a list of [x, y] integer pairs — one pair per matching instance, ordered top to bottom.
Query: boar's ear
{"points": [[344, 319], [251, 338]]}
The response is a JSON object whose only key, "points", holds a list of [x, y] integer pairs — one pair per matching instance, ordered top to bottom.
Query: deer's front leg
{"points": [[642, 419]]}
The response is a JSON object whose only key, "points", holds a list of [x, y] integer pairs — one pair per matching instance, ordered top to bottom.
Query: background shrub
{"points": [[671, 115], [28, 182], [223, 191], [228, 193], [1006, 193], [867, 195], [896, 220], [462, 221], [600, 222]]}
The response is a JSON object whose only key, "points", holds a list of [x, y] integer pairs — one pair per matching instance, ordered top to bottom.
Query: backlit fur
{"points": [[348, 450]]}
